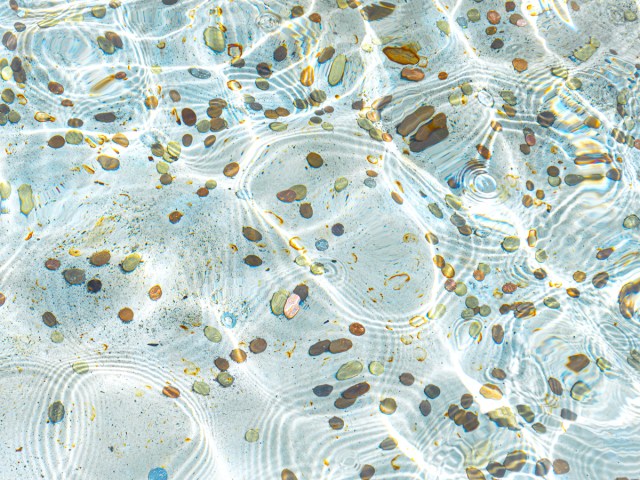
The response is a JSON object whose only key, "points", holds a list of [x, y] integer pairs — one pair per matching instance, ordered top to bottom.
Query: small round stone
{"points": [[125, 314]]}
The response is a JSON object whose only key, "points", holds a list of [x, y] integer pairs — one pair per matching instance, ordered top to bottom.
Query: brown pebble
{"points": [[493, 17], [280, 53], [520, 64], [412, 74], [56, 88], [151, 102], [189, 117], [187, 139], [57, 141], [315, 160], [231, 170], [166, 179], [202, 192], [286, 196], [306, 210], [175, 216], [251, 234], [98, 259], [253, 260], [52, 264], [302, 291], [155, 292], [125, 314], [49, 319], [356, 329], [497, 333], [258, 345], [340, 345], [319, 348], [238, 355], [578, 362], [221, 364], [407, 379], [555, 385], [356, 390], [171, 392], [342, 403], [336, 423], [560, 467], [367, 472], [288, 475]]}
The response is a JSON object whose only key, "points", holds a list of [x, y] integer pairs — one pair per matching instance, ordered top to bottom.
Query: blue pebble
{"points": [[322, 245], [229, 320], [158, 473]]}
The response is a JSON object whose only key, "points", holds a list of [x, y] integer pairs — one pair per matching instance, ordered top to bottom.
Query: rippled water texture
{"points": [[328, 240]]}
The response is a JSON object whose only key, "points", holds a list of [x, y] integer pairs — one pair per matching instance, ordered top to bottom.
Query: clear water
{"points": [[488, 248]]}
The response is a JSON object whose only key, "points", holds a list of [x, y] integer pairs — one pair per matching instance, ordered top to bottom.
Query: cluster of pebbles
{"points": [[477, 292]]}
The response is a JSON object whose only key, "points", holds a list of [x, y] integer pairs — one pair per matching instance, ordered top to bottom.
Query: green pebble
{"points": [[473, 15], [14, 117], [203, 126], [278, 126], [73, 137], [162, 167], [211, 184], [340, 184], [453, 201], [435, 210], [632, 221], [510, 244], [541, 256], [131, 262], [317, 268], [461, 289], [278, 300], [471, 301], [551, 302], [485, 310], [467, 313], [474, 329], [212, 334], [57, 337], [603, 364], [80, 367], [376, 368], [349, 370], [225, 379], [201, 388], [56, 412], [251, 435]]}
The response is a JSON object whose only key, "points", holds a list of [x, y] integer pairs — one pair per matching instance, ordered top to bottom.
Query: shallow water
{"points": [[464, 232]]}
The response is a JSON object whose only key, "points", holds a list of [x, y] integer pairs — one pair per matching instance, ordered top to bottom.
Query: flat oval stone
{"points": [[337, 70], [108, 163], [100, 258], [131, 262], [74, 276], [278, 301], [291, 306], [212, 334], [340, 345], [319, 348], [349, 370], [201, 388], [322, 390], [356, 390], [56, 412]]}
